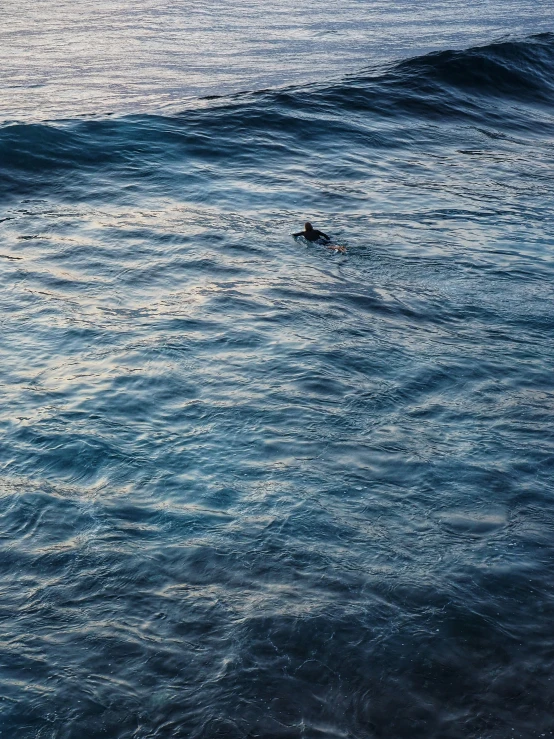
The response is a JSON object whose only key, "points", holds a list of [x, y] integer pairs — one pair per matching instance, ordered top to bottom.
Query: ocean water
{"points": [[252, 487]]}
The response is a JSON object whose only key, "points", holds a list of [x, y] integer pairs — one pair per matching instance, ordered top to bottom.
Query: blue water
{"points": [[254, 488]]}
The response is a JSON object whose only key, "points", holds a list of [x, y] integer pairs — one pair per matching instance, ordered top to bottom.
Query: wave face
{"points": [[252, 487]]}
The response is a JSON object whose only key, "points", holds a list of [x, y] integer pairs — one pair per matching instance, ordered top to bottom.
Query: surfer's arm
{"points": [[300, 233], [328, 238]]}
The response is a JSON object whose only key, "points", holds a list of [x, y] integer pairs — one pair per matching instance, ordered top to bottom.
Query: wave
{"points": [[516, 70], [468, 82], [506, 85]]}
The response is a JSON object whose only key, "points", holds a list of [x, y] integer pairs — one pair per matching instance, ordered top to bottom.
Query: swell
{"points": [[507, 85]]}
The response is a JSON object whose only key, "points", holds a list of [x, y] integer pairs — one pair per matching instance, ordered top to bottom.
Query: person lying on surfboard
{"points": [[312, 235]]}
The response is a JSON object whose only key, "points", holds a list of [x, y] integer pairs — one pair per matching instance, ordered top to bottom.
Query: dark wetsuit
{"points": [[313, 235]]}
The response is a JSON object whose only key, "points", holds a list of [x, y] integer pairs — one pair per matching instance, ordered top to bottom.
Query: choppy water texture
{"points": [[251, 488]]}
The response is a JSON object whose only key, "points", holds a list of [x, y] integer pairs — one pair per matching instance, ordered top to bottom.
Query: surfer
{"points": [[312, 235]]}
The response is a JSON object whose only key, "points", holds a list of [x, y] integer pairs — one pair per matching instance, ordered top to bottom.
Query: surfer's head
{"points": [[308, 226]]}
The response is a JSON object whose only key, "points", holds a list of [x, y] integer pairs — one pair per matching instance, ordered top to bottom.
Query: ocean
{"points": [[252, 487]]}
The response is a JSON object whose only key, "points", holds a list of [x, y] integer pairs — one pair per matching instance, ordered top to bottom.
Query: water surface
{"points": [[251, 488]]}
